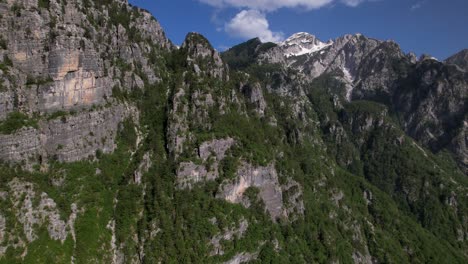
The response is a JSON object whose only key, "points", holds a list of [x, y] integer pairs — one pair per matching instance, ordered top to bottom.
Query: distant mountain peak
{"points": [[303, 43], [460, 59]]}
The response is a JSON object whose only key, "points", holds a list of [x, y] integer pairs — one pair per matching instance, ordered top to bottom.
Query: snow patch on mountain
{"points": [[303, 43], [311, 50], [349, 86]]}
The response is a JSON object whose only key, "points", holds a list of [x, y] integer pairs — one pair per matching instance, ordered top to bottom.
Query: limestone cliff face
{"points": [[50, 57], [59, 58], [254, 93], [66, 139], [210, 154], [265, 179]]}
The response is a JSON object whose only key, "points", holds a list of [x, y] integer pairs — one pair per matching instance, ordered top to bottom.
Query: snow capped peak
{"points": [[299, 36], [302, 43]]}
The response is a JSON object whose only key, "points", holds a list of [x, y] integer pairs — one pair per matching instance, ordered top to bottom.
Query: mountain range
{"points": [[117, 146]]}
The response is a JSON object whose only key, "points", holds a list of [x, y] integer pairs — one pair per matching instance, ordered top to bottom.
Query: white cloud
{"points": [[352, 3], [272, 5], [417, 5], [250, 24]]}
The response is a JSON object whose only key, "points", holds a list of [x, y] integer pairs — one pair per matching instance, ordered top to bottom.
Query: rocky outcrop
{"points": [[302, 43], [203, 57], [55, 58], [460, 59], [378, 73], [61, 74], [254, 95], [191, 105], [177, 129], [67, 138], [459, 145], [216, 148], [210, 154], [143, 168], [263, 178], [293, 200], [281, 201], [33, 210], [2, 235], [228, 235], [118, 256], [243, 257]]}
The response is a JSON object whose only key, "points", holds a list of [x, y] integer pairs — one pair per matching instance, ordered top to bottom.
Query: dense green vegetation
{"points": [[43, 4], [243, 55], [38, 80], [15, 121]]}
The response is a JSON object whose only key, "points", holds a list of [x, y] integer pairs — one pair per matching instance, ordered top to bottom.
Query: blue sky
{"points": [[435, 27]]}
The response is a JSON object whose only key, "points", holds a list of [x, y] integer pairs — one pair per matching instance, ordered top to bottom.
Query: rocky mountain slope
{"points": [[459, 59], [427, 98], [118, 147]]}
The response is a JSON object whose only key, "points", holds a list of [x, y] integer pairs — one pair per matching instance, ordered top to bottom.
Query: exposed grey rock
{"points": [[152, 30], [302, 43], [203, 57], [313, 57], [412, 57], [460, 59], [62, 63], [379, 72], [255, 96], [191, 106], [434, 110], [177, 128], [70, 138], [459, 145], [22, 146], [216, 147], [210, 153], [144, 166], [189, 173], [263, 178], [337, 196], [368, 197], [293, 199], [33, 210], [2, 235], [227, 235], [117, 255], [361, 256], [243, 257]]}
